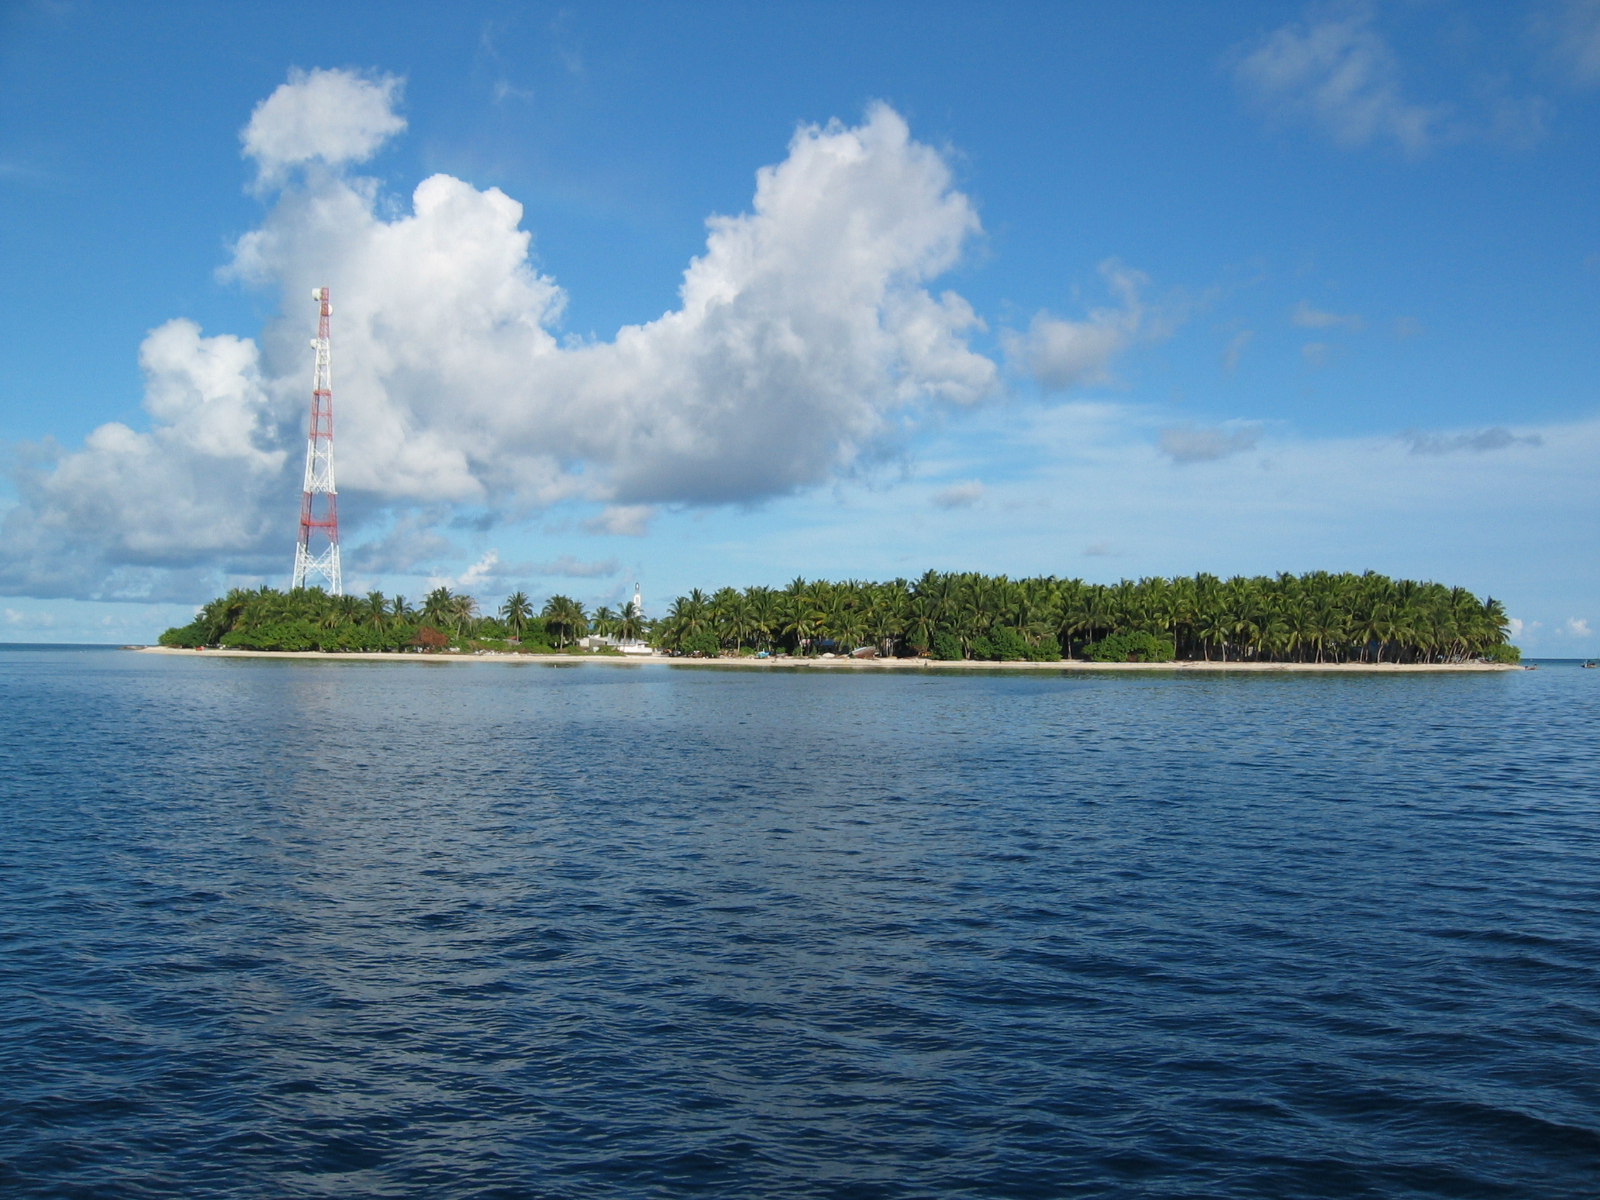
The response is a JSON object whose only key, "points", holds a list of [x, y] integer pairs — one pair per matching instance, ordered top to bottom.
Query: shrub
{"points": [[276, 635], [189, 637], [343, 637], [398, 638], [430, 639], [702, 642], [1007, 645], [945, 647], [1132, 647], [1048, 650], [1503, 652]]}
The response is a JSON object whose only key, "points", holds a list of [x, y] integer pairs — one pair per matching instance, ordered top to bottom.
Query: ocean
{"points": [[319, 928]]}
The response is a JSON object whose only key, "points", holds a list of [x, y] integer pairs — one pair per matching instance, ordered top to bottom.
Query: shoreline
{"points": [[848, 664]]}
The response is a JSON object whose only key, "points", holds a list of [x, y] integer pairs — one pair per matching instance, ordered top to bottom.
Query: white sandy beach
{"points": [[847, 664]]}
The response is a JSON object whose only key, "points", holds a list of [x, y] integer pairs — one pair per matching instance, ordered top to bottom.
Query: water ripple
{"points": [[298, 929]]}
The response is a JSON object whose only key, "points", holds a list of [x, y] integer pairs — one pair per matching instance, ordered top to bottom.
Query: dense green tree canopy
{"points": [[1318, 617], [310, 619]]}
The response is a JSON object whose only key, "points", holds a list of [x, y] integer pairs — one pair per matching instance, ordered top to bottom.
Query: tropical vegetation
{"points": [[1316, 617], [311, 619]]}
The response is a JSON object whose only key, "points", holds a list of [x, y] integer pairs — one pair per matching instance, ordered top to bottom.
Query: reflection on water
{"points": [[316, 929]]}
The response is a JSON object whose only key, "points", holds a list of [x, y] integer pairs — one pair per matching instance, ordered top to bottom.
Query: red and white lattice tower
{"points": [[319, 469]]}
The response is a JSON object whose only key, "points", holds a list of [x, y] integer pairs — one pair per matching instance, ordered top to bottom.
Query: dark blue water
{"points": [[284, 929]]}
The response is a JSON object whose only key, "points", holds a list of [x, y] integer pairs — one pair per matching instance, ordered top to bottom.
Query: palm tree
{"points": [[439, 607], [761, 609], [375, 610], [516, 612], [463, 613], [726, 613], [565, 617], [603, 621], [922, 621], [803, 623], [630, 627]]}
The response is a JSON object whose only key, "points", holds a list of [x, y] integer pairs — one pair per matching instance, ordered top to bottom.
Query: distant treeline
{"points": [[1317, 617], [310, 619]]}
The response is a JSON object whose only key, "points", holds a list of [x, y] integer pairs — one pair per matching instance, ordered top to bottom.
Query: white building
{"points": [[634, 645]]}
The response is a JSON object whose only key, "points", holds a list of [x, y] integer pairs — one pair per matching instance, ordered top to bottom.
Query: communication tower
{"points": [[319, 468]]}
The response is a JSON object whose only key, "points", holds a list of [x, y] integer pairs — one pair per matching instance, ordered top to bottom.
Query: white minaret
{"points": [[635, 644]]}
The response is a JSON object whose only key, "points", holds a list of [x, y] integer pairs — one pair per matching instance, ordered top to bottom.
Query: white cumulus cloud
{"points": [[335, 116], [802, 329], [804, 339], [193, 488]]}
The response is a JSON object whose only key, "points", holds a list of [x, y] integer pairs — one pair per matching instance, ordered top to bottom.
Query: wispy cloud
{"points": [[1572, 29], [1336, 70], [1339, 72], [505, 90], [21, 172], [1307, 317], [1235, 349], [1061, 353], [1316, 354], [1479, 442], [1193, 443], [962, 495], [622, 520], [410, 546], [569, 567], [486, 568], [28, 620]]}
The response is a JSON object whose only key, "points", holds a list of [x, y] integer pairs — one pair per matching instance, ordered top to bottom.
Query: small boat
{"points": [[1591, 665]]}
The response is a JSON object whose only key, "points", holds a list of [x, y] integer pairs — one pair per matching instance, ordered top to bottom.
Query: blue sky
{"points": [[1083, 290]]}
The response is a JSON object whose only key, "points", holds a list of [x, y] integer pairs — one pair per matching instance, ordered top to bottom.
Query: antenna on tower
{"points": [[319, 467]]}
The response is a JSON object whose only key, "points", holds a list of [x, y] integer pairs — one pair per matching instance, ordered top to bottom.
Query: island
{"points": [[1315, 620]]}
